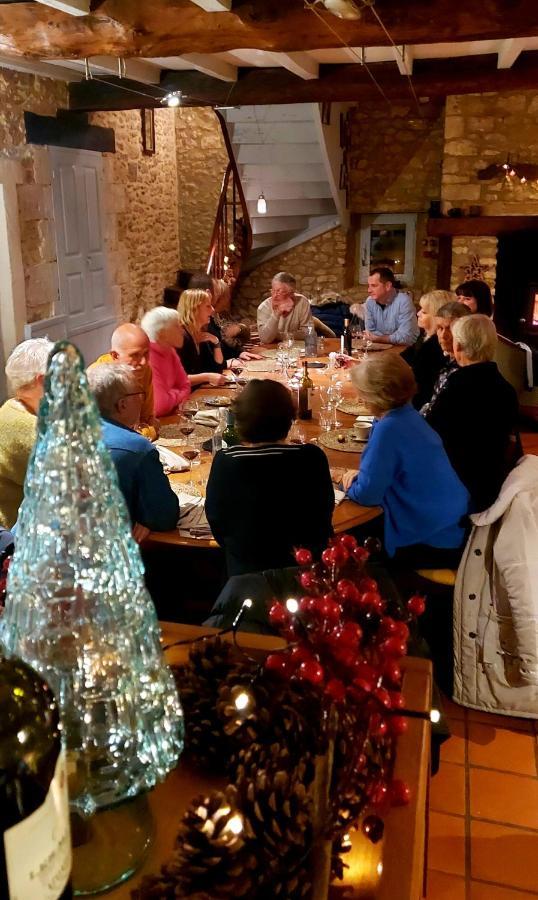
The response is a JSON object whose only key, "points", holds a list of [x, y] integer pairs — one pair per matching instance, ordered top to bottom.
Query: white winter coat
{"points": [[496, 602]]}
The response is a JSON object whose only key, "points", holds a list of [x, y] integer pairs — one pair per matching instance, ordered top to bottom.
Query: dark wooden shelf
{"points": [[480, 225]]}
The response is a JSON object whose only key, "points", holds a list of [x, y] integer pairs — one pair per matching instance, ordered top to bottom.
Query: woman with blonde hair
{"points": [[201, 353], [426, 357], [25, 370], [404, 468]]}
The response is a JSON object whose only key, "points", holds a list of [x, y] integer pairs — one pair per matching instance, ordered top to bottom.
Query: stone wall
{"points": [[19, 92], [480, 130], [201, 163], [141, 226]]}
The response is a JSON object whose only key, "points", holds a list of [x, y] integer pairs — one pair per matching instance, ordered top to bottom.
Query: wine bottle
{"points": [[348, 339], [304, 394], [229, 436], [35, 839]]}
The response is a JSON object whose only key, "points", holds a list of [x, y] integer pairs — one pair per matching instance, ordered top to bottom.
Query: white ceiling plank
{"points": [[214, 5], [73, 7], [509, 52], [404, 59], [298, 63], [209, 65], [49, 69], [136, 69]]}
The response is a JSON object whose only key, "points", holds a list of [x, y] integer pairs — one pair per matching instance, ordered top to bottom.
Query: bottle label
{"points": [[38, 849]]}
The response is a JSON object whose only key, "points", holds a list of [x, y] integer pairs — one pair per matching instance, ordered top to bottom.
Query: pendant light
{"points": [[261, 205]]}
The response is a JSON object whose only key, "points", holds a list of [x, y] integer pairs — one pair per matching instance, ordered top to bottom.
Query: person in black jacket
{"points": [[201, 353], [426, 357], [476, 413], [265, 497]]}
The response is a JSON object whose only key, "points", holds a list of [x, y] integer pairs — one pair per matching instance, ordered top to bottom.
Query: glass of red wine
{"points": [[236, 368], [186, 426]]}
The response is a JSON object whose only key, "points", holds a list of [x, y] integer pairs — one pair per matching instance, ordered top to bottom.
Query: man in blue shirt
{"points": [[390, 315], [151, 502]]}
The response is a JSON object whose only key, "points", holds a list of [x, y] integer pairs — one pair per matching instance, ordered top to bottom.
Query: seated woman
{"points": [[476, 295], [232, 335], [200, 351], [426, 357], [25, 370], [171, 387], [476, 413], [404, 468], [265, 496]]}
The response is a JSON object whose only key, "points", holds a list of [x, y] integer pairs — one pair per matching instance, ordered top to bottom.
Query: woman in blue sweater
{"points": [[405, 469]]}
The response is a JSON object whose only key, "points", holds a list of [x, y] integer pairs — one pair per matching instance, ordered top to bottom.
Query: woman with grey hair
{"points": [[25, 370], [171, 385], [476, 414], [404, 469]]}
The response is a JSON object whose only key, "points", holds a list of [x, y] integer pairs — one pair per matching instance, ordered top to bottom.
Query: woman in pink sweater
{"points": [[170, 383]]}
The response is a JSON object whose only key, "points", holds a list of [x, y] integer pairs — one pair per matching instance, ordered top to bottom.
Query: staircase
{"points": [[288, 154]]}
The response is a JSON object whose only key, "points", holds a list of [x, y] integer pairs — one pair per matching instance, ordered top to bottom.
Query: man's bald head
{"points": [[130, 345]]}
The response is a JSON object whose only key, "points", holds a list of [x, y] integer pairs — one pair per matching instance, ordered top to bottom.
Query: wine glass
{"points": [[236, 367], [190, 411], [186, 426], [297, 434], [191, 453]]}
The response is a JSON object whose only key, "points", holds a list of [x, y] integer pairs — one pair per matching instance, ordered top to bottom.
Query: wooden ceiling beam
{"points": [[214, 5], [71, 7], [161, 28], [432, 79]]}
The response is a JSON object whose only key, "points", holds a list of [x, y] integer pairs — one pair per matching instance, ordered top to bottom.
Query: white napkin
{"points": [[209, 417], [170, 461], [339, 496], [192, 517]]}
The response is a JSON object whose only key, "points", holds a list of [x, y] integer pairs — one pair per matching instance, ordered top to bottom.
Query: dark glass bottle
{"points": [[348, 339], [304, 394], [229, 435], [35, 839]]}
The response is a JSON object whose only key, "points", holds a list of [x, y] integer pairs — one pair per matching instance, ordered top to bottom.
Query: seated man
{"points": [[284, 312], [390, 315], [446, 316], [130, 345], [476, 413], [151, 502]]}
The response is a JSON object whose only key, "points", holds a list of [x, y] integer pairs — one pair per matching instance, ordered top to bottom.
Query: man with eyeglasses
{"points": [[285, 312], [129, 345], [150, 500]]}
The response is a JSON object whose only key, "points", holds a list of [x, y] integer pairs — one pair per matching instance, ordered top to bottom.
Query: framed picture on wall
{"points": [[148, 131]]}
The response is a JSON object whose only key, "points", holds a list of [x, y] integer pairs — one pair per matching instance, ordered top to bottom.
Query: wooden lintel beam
{"points": [[132, 28], [431, 79]]}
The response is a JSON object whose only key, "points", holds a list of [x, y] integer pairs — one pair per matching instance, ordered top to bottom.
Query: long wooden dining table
{"points": [[347, 514]]}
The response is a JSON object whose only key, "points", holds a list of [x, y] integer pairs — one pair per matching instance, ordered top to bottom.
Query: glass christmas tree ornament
{"points": [[78, 612]]}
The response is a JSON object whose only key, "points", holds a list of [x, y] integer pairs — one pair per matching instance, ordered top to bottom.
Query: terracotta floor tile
{"points": [[451, 709], [500, 721], [495, 748], [453, 750], [447, 789], [504, 798], [446, 849], [504, 855], [445, 887], [481, 891]]}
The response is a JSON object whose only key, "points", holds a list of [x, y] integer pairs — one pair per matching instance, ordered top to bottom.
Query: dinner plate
{"points": [[217, 401]]}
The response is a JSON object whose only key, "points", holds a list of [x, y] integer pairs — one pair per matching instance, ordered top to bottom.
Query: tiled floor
{"points": [[483, 842]]}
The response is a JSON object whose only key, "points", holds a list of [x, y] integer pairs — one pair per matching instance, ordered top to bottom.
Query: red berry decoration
{"points": [[348, 541], [360, 555], [303, 557], [308, 580], [367, 584], [347, 591], [372, 600], [306, 605], [416, 605], [278, 614], [401, 631], [394, 647], [300, 654], [277, 663], [311, 671], [392, 672], [336, 690], [382, 696], [397, 700], [398, 724], [400, 793], [374, 828]]}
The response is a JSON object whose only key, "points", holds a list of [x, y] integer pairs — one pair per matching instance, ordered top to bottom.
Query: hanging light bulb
{"points": [[344, 9], [173, 98], [522, 179], [261, 205]]}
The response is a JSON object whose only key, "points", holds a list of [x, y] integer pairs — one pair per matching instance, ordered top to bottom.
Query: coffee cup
{"points": [[362, 430]]}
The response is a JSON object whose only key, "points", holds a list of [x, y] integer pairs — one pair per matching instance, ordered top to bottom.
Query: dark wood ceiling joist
{"points": [[172, 27], [432, 79]]}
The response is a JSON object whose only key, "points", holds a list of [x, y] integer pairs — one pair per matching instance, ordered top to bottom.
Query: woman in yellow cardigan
{"points": [[25, 370]]}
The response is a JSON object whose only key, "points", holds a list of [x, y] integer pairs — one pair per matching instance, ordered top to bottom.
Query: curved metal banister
{"points": [[232, 222]]}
